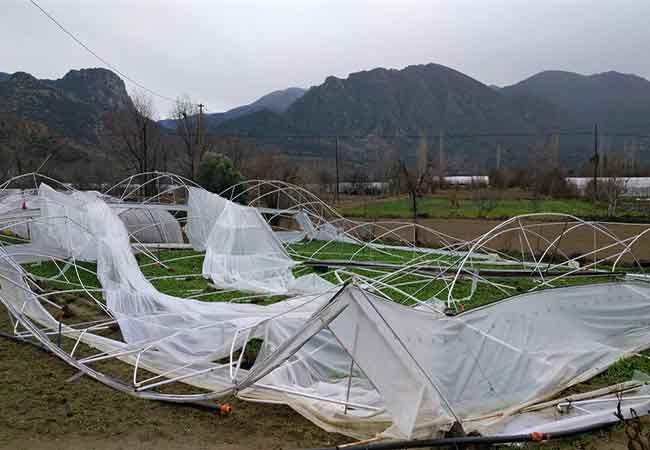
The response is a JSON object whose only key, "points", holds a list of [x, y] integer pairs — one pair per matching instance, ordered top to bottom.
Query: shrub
{"points": [[217, 173]]}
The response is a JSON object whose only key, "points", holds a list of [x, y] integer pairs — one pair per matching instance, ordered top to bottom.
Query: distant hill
{"points": [[426, 99], [416, 100], [276, 101], [617, 101], [72, 105], [394, 107], [59, 121]]}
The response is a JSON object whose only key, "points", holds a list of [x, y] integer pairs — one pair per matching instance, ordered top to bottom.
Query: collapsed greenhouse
{"points": [[266, 293]]}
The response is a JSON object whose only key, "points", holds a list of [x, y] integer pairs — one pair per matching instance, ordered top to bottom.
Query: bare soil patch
{"points": [[579, 241], [40, 410]]}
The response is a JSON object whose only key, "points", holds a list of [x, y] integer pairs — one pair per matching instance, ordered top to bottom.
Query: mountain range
{"points": [[424, 99], [418, 100], [427, 100], [618, 102], [71, 106]]}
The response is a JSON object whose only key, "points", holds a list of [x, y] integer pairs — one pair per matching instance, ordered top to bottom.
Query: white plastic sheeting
{"points": [[17, 199], [13, 203], [203, 209], [63, 224], [324, 231], [241, 250], [185, 331], [534, 345], [348, 360], [489, 362]]}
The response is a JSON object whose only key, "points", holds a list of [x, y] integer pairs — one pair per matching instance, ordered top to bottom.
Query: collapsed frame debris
{"points": [[376, 296]]}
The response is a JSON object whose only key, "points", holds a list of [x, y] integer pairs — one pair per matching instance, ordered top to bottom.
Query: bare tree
{"points": [[187, 115], [135, 136], [25, 146], [413, 180], [612, 189]]}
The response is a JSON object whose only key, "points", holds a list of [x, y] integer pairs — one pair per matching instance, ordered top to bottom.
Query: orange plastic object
{"points": [[225, 409]]}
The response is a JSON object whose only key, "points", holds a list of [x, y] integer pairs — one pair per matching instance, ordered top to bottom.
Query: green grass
{"points": [[442, 208], [323, 250], [339, 251], [184, 268], [179, 286]]}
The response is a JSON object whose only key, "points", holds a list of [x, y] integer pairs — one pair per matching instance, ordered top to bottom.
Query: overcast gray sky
{"points": [[228, 53]]}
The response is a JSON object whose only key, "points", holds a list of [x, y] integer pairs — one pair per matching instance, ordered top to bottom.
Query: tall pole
{"points": [[199, 125], [198, 151], [441, 154], [145, 157], [596, 161], [498, 162], [337, 168]]}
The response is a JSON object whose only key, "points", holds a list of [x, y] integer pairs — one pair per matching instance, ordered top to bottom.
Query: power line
{"points": [[89, 50]]}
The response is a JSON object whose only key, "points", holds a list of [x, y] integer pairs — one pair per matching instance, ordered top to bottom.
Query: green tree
{"points": [[217, 173]]}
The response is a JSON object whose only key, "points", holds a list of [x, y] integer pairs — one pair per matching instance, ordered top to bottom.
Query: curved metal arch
{"points": [[184, 182], [5, 185], [477, 244]]}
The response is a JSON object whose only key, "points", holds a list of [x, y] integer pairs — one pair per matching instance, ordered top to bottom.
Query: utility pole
{"points": [[199, 125], [198, 152], [441, 154], [145, 157], [596, 161], [498, 162], [337, 169]]}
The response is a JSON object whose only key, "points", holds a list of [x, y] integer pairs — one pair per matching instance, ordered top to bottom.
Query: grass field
{"points": [[436, 207]]}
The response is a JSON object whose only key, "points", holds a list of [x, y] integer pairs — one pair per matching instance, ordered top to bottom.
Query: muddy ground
{"points": [[40, 410]]}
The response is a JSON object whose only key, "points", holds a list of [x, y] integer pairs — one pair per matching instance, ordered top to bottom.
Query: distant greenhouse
{"points": [[152, 226]]}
